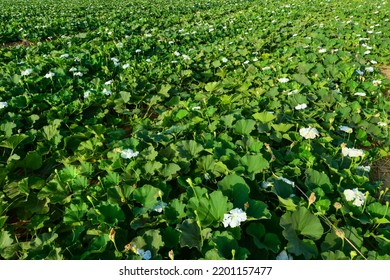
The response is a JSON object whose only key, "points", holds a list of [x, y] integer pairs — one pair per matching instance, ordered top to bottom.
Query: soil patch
{"points": [[24, 43]]}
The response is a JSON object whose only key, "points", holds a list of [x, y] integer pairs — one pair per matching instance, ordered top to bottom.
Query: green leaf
{"points": [[301, 78], [210, 87], [180, 115], [264, 117], [244, 127], [282, 127], [13, 141], [189, 148], [33, 160], [254, 163], [169, 170], [315, 179], [236, 189], [146, 195], [258, 209], [211, 210], [378, 210], [111, 213], [74, 214], [301, 223], [190, 235], [5, 240], [153, 240]]}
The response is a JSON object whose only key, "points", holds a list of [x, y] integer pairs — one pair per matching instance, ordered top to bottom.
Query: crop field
{"points": [[194, 129]]}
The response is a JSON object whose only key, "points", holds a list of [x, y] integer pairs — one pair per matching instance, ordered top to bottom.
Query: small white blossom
{"points": [[148, 35], [119, 45], [137, 50], [322, 50], [367, 52], [176, 53], [65, 55], [185, 57], [255, 59], [148, 60], [224, 60], [174, 61], [246, 61], [374, 62], [127, 65], [266, 68], [73, 69], [370, 69], [26, 72], [360, 72], [80, 74], [49, 75], [283, 80], [109, 82], [376, 82], [107, 92], [292, 92], [86, 94], [360, 94], [3, 104], [301, 106], [195, 108], [382, 124], [345, 129], [309, 132], [351, 152], [128, 153], [364, 168], [287, 181], [266, 185], [355, 195], [159, 207], [234, 218], [146, 255], [283, 256]]}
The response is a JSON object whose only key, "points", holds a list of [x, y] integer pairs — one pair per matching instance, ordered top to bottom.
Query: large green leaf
{"points": [[264, 117], [244, 127], [254, 163], [315, 179], [236, 189], [146, 195], [211, 209], [301, 223], [190, 234]]}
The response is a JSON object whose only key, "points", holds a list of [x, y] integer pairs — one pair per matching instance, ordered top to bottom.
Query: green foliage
{"points": [[125, 127]]}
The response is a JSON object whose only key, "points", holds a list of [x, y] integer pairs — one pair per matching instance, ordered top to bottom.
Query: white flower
{"points": [[148, 35], [119, 45], [137, 50], [322, 50], [367, 52], [176, 53], [65, 55], [185, 57], [255, 59], [148, 60], [224, 60], [174, 61], [246, 61], [374, 62], [127, 65], [266, 68], [73, 69], [370, 69], [26, 72], [359, 72], [80, 74], [49, 75], [283, 80], [108, 82], [376, 82], [107, 92], [292, 92], [86, 94], [360, 94], [3, 104], [301, 106], [195, 108], [382, 124], [345, 129], [309, 132], [351, 152], [128, 153], [364, 168], [287, 181], [266, 185], [354, 195], [159, 207], [234, 218], [146, 255], [283, 256]]}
